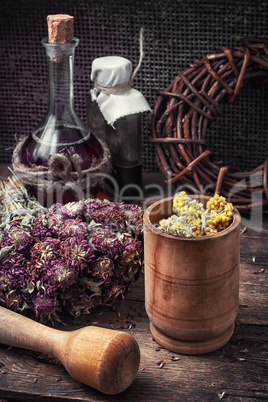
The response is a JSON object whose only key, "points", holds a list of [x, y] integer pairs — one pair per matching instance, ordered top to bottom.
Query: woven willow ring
{"points": [[183, 112]]}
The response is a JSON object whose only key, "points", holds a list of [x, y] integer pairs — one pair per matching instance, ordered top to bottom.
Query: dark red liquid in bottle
{"points": [[123, 140], [38, 152]]}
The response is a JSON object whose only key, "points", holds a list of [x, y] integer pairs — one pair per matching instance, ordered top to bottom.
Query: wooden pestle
{"points": [[107, 360]]}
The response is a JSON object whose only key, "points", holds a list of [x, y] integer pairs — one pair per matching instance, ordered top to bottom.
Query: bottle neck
{"points": [[60, 60]]}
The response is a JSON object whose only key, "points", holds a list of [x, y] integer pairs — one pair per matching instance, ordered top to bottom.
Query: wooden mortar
{"points": [[191, 284]]}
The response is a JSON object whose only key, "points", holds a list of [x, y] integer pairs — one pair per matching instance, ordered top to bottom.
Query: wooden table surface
{"points": [[236, 372]]}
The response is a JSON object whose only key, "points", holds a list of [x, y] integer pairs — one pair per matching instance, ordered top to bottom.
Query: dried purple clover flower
{"points": [[93, 205], [57, 209], [76, 209], [99, 211], [132, 215], [119, 217], [49, 222], [73, 227], [17, 236], [106, 242], [43, 251], [78, 253], [131, 258], [57, 264], [12, 267], [102, 269], [62, 275], [13, 277], [54, 277], [114, 292], [10, 297], [15, 300], [77, 301], [44, 306]]}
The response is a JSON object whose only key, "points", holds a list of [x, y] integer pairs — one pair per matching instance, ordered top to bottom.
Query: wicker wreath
{"points": [[183, 112]]}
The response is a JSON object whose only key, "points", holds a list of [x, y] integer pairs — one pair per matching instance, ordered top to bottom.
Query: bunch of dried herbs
{"points": [[67, 258]]}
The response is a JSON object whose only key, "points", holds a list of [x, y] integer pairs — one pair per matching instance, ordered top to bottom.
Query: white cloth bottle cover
{"points": [[113, 91]]}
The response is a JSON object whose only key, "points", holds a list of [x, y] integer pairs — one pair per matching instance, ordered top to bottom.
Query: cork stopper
{"points": [[60, 28]]}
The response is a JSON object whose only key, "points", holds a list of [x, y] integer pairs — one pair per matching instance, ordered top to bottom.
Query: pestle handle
{"points": [[104, 359]]}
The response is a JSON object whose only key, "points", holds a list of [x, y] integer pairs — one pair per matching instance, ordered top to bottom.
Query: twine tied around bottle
{"points": [[125, 86], [61, 166], [62, 171]]}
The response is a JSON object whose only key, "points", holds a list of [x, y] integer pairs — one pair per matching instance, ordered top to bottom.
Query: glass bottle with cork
{"points": [[114, 114], [62, 160]]}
